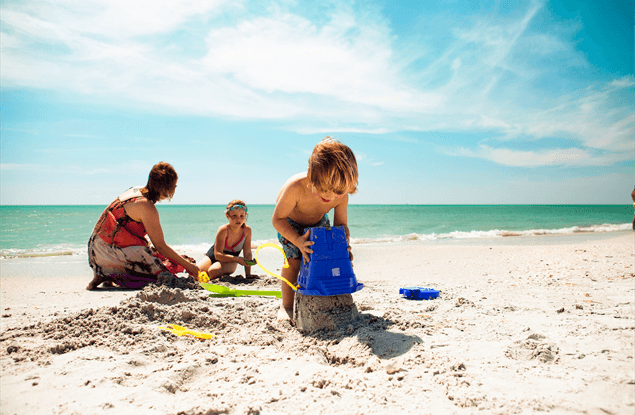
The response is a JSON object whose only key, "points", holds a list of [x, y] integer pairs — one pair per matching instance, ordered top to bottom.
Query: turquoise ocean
{"points": [[37, 230]]}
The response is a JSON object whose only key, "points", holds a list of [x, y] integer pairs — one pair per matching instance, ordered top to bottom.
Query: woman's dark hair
{"points": [[161, 182]]}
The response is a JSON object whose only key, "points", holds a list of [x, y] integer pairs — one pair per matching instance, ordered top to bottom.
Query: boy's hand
{"points": [[304, 244], [350, 253]]}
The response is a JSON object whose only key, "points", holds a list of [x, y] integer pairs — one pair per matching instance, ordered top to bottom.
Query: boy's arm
{"points": [[284, 207], [340, 218]]}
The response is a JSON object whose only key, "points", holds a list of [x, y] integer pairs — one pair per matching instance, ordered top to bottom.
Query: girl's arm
{"points": [[146, 213], [220, 244], [247, 250]]}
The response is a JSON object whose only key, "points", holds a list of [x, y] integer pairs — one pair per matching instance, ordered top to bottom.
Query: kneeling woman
{"points": [[118, 251]]}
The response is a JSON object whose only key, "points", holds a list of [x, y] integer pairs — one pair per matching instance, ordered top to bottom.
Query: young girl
{"points": [[232, 238]]}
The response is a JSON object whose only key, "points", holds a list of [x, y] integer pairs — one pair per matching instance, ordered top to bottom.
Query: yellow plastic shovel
{"points": [[182, 331]]}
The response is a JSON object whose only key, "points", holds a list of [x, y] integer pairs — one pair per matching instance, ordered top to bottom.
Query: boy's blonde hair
{"points": [[333, 167]]}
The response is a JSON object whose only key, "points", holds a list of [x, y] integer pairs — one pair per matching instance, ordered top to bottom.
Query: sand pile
{"points": [[133, 325], [248, 348]]}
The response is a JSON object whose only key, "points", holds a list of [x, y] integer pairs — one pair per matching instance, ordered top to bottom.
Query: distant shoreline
{"points": [[510, 240]]}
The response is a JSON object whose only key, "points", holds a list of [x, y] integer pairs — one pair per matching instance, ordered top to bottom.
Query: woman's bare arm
{"points": [[145, 212]]}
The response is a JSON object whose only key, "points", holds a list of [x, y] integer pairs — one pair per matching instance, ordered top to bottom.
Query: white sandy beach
{"points": [[522, 325]]}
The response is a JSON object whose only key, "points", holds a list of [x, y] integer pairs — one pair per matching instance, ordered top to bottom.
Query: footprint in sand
{"points": [[533, 347]]}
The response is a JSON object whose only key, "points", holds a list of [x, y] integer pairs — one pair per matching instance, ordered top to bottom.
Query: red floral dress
{"points": [[119, 251]]}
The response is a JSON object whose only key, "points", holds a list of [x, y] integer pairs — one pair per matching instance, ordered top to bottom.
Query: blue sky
{"points": [[448, 102]]}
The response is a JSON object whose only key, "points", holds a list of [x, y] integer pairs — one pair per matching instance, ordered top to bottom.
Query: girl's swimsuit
{"points": [[118, 250], [229, 250]]}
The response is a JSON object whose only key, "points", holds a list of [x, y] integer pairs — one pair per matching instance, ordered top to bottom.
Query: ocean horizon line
{"points": [[163, 204], [490, 237]]}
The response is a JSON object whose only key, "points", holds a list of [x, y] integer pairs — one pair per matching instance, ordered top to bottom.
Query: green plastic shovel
{"points": [[222, 291]]}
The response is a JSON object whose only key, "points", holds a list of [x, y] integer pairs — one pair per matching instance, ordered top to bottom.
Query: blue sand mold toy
{"points": [[329, 272], [419, 293]]}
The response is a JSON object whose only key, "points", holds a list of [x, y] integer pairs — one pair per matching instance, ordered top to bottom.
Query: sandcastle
{"points": [[325, 284]]}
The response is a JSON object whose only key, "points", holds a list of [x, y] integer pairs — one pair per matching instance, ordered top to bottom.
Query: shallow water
{"points": [[28, 230]]}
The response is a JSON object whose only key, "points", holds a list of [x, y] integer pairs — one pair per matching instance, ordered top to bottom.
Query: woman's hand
{"points": [[193, 270]]}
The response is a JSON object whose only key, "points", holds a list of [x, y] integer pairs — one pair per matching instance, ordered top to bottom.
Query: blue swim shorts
{"points": [[292, 251]]}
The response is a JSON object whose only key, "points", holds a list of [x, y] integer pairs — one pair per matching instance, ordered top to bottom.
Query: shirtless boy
{"points": [[303, 203]]}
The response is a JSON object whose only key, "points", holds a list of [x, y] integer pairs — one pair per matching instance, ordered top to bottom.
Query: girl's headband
{"points": [[243, 207]]}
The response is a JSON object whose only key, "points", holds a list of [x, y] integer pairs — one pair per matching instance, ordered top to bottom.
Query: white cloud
{"points": [[112, 19], [9, 41], [496, 41], [289, 54], [342, 70], [624, 82], [591, 119], [21, 130], [310, 130], [79, 135], [362, 158], [538, 158], [11, 166], [129, 167]]}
